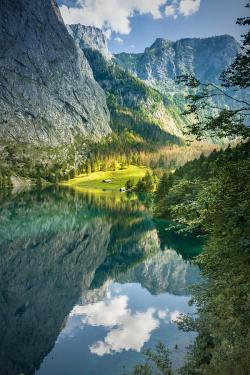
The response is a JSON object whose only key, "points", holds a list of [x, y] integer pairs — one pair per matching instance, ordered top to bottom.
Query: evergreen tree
{"points": [[165, 183]]}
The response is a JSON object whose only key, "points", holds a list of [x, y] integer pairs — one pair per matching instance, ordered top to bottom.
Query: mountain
{"points": [[90, 37], [206, 59], [165, 60], [141, 89], [47, 91], [132, 103]]}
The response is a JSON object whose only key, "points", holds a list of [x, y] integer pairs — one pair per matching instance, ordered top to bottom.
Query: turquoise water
{"points": [[88, 282]]}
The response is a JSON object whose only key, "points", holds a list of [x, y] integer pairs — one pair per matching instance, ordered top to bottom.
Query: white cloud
{"points": [[182, 7], [188, 7], [171, 11], [113, 14], [118, 40], [105, 313], [162, 314], [169, 316], [128, 330], [131, 334]]}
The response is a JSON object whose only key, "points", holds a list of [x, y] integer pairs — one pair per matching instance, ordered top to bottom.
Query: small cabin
{"points": [[107, 181], [123, 190]]}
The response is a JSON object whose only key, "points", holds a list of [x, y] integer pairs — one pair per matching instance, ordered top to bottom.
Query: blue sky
{"points": [[133, 25]]}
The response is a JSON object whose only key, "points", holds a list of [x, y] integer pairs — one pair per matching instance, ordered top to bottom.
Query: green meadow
{"points": [[118, 177]]}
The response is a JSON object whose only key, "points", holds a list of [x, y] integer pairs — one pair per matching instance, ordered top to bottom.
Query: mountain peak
{"points": [[160, 43]]}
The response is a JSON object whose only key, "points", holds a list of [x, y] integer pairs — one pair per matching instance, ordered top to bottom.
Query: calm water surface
{"points": [[88, 282]]}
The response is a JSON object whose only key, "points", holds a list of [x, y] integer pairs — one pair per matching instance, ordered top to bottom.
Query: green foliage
{"points": [[238, 73], [212, 117], [142, 124], [37, 163], [43, 164], [5, 175], [146, 184], [129, 185], [163, 187], [211, 195], [183, 201], [180, 205], [223, 302], [157, 360]]}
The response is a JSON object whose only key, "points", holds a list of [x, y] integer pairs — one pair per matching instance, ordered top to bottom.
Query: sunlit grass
{"points": [[118, 177]]}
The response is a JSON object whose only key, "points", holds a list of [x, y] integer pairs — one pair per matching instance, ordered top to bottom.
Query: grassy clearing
{"points": [[119, 178]]}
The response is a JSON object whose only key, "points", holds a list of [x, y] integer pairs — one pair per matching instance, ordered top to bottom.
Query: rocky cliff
{"points": [[90, 37], [166, 60], [47, 90]]}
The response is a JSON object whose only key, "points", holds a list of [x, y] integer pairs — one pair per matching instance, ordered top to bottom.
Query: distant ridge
{"points": [[206, 58]]}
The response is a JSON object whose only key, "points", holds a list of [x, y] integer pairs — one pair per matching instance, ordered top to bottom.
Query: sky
{"points": [[133, 25]]}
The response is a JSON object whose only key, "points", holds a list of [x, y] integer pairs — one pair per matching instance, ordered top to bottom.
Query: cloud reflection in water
{"points": [[128, 330]]}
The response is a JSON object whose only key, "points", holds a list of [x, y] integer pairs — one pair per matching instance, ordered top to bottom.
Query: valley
{"points": [[125, 97], [124, 189]]}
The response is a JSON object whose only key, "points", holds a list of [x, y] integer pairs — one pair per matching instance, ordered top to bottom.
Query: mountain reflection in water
{"points": [[87, 282]]}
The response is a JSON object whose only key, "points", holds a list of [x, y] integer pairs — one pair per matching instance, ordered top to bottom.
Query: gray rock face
{"points": [[90, 37], [165, 60], [47, 90]]}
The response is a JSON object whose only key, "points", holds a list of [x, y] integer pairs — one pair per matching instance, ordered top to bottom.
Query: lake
{"points": [[88, 282]]}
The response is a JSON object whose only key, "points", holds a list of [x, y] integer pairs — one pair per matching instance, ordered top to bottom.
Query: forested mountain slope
{"points": [[132, 103]]}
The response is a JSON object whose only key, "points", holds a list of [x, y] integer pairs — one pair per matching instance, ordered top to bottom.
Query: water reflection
{"points": [[164, 271], [83, 277], [114, 313]]}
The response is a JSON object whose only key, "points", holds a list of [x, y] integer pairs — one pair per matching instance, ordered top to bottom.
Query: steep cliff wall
{"points": [[90, 37], [47, 90]]}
